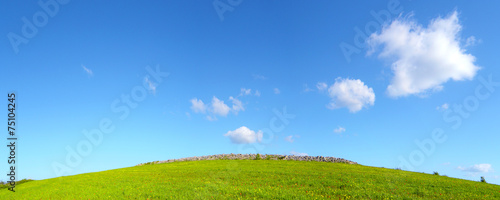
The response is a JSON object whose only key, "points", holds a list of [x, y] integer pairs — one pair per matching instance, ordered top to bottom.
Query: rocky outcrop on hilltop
{"points": [[256, 157]]}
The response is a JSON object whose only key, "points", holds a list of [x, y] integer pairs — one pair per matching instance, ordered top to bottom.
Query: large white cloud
{"points": [[423, 58], [350, 93], [243, 135]]}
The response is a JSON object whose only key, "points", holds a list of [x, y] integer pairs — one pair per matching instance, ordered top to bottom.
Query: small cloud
{"points": [[471, 41], [88, 71], [259, 77], [150, 85], [321, 86], [307, 88], [277, 91], [245, 92], [257, 93], [350, 93], [237, 105], [198, 106], [219, 107], [443, 107], [188, 115], [211, 118], [339, 130], [244, 135], [289, 138], [297, 153], [446, 163], [477, 168]]}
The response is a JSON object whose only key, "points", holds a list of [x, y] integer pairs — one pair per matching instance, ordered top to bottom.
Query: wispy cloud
{"points": [[471, 41], [87, 70], [259, 77], [150, 85], [321, 86], [306, 88], [277, 91], [244, 92], [257, 93], [237, 105], [445, 106], [339, 130], [289, 138], [297, 153], [477, 168]]}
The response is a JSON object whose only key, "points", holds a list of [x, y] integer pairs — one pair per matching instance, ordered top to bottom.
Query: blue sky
{"points": [[387, 83]]}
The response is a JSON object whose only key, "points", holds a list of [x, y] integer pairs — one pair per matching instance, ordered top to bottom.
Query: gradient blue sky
{"points": [[264, 46]]}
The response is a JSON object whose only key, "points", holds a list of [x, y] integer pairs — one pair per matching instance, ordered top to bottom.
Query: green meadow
{"points": [[253, 179]]}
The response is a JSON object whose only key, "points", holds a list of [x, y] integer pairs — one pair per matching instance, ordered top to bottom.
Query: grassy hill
{"points": [[249, 179]]}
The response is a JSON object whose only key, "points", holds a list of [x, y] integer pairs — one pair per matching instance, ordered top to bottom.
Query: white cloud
{"points": [[471, 41], [423, 58], [88, 71], [259, 77], [150, 85], [321, 86], [307, 88], [245, 91], [277, 91], [257, 93], [350, 93], [237, 105], [198, 106], [445, 106], [219, 107], [211, 118], [339, 130], [243, 135], [289, 138], [297, 153], [484, 168]]}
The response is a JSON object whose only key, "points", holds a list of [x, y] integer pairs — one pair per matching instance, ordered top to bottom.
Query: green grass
{"points": [[253, 179]]}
